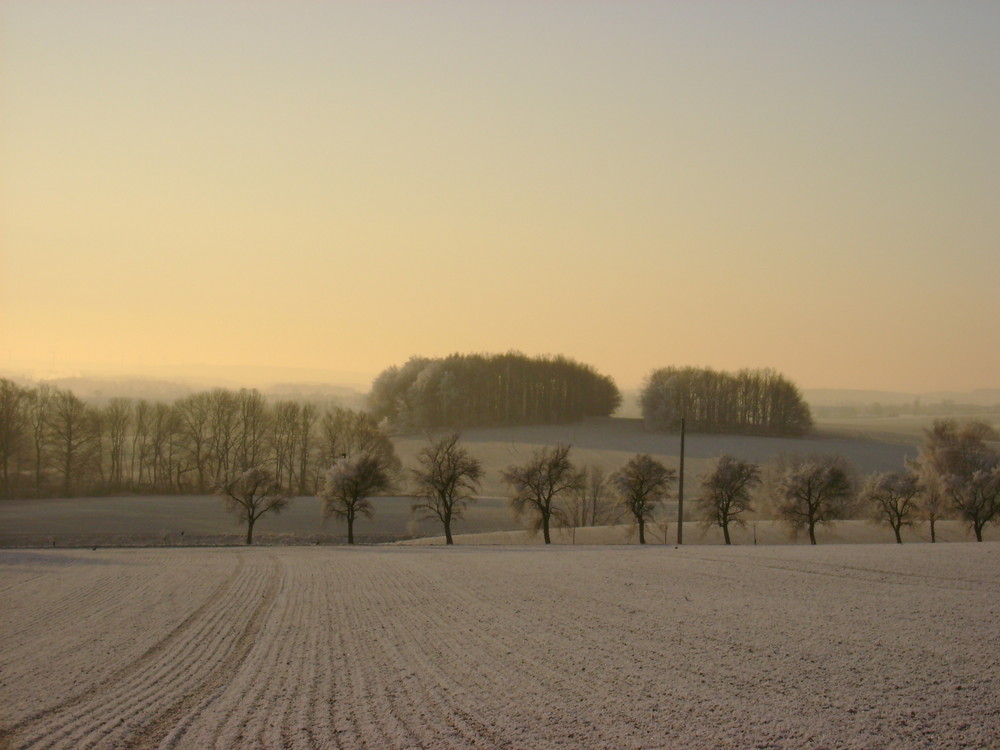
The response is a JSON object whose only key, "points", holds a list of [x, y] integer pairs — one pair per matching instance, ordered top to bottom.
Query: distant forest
{"points": [[483, 390], [748, 401], [54, 443]]}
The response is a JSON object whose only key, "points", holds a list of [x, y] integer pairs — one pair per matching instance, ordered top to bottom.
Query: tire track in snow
{"points": [[76, 621], [109, 683], [130, 699], [168, 728]]}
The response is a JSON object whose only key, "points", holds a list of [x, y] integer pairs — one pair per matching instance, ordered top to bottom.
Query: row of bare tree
{"points": [[750, 401], [52, 442], [957, 474]]}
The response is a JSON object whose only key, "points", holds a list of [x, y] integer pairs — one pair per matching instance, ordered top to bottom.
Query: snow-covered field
{"points": [[521, 647]]}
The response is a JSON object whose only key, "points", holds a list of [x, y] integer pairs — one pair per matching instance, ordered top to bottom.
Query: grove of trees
{"points": [[472, 390], [749, 401], [54, 443]]}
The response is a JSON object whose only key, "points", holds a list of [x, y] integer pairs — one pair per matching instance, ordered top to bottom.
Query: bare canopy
{"points": [[446, 478], [351, 482], [537, 484], [642, 484], [814, 491], [725, 493], [252, 494]]}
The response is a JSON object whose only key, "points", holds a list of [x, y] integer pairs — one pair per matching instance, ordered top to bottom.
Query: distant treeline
{"points": [[472, 390], [749, 401], [879, 410], [54, 443]]}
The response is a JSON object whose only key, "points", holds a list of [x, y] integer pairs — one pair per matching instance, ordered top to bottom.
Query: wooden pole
{"points": [[680, 492]]}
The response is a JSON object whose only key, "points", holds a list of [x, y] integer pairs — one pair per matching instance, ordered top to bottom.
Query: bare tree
{"points": [[194, 415], [223, 415], [308, 415], [39, 417], [253, 417], [117, 419], [13, 428], [141, 431], [73, 437], [283, 438], [968, 469], [446, 479], [349, 484], [538, 484], [642, 484], [814, 491], [725, 492], [252, 494], [977, 497], [892, 498], [592, 503], [933, 503]]}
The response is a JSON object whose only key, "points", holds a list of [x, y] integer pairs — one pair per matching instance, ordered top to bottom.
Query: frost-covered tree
{"points": [[967, 467], [446, 477], [352, 481], [642, 484], [537, 485], [812, 491], [726, 493], [252, 494], [892, 498], [932, 504]]}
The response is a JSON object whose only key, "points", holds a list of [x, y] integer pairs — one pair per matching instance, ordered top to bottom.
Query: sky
{"points": [[324, 188]]}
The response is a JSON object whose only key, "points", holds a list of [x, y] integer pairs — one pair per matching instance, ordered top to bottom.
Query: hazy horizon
{"points": [[334, 188], [269, 378]]}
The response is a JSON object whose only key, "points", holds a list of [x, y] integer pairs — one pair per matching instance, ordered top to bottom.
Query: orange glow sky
{"points": [[813, 187]]}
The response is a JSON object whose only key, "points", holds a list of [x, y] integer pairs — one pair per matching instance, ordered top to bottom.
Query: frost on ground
{"points": [[512, 647]]}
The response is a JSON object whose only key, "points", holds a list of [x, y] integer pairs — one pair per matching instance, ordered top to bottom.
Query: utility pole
{"points": [[680, 492]]}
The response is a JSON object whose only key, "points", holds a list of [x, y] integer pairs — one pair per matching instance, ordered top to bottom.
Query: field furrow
{"points": [[294, 648]]}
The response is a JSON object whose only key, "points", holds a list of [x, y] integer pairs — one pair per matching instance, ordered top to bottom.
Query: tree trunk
{"points": [[68, 471], [978, 528], [545, 529], [250, 530], [350, 531], [642, 531], [725, 532], [447, 533], [812, 533], [933, 537], [899, 539]]}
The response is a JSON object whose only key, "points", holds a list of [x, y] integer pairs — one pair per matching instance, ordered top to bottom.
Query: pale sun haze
{"points": [[813, 187]]}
